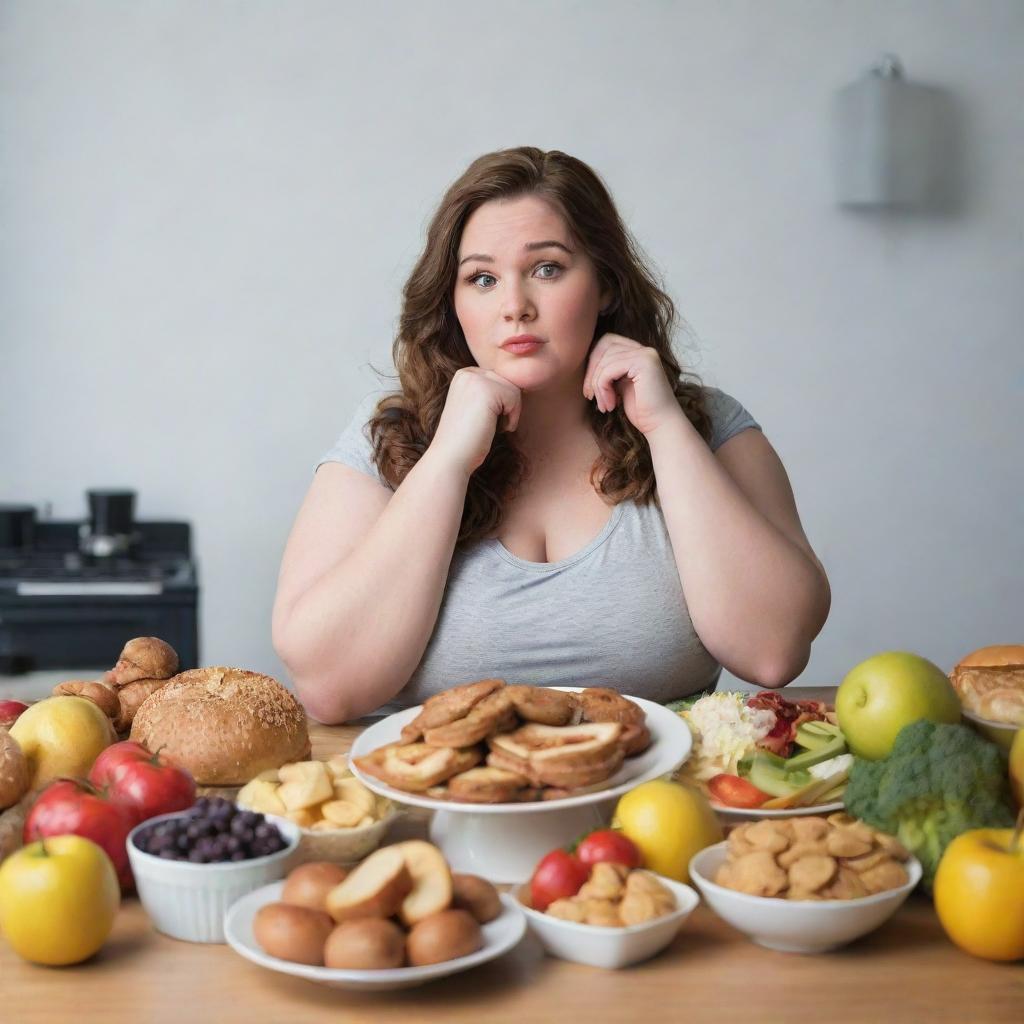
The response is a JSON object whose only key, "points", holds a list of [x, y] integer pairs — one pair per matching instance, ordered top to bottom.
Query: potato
{"points": [[309, 884], [477, 895], [292, 933], [443, 936], [365, 944]]}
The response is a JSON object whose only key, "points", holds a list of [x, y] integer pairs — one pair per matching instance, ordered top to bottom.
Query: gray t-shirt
{"points": [[612, 614]]}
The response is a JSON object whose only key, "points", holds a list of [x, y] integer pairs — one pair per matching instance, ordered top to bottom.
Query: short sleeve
{"points": [[728, 417], [354, 448]]}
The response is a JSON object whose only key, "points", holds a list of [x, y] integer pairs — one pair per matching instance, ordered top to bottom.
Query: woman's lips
{"points": [[522, 344]]}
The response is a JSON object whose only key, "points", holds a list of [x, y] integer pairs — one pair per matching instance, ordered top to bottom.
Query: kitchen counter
{"points": [[905, 971]]}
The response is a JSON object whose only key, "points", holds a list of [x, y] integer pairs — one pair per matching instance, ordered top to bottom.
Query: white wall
{"points": [[207, 211]]}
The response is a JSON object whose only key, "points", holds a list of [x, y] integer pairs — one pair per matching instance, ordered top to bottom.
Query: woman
{"points": [[546, 498]]}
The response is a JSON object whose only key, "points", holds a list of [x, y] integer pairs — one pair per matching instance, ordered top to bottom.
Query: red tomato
{"points": [[149, 784], [733, 791], [70, 807], [609, 845], [558, 875]]}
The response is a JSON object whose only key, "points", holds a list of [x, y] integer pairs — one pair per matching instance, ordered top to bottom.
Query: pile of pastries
{"points": [[489, 742]]}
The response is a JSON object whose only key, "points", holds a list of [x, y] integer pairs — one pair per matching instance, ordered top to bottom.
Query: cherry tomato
{"points": [[149, 784], [733, 791], [609, 845], [558, 875]]}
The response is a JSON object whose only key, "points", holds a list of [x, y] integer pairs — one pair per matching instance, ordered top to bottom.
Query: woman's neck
{"points": [[554, 426]]}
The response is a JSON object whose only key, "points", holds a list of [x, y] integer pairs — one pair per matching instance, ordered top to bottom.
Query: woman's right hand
{"points": [[477, 400]]}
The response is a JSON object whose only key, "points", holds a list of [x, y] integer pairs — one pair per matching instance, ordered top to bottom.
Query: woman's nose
{"points": [[516, 303]]}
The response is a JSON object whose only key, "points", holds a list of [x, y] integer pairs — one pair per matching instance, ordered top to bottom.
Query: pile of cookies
{"points": [[488, 742], [833, 858], [615, 896]]}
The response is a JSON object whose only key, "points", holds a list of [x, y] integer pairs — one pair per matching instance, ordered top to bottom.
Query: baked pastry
{"points": [[145, 657], [990, 683], [103, 695], [601, 704], [544, 705], [449, 706], [491, 715], [224, 725], [537, 747], [568, 757], [416, 767], [489, 785]]}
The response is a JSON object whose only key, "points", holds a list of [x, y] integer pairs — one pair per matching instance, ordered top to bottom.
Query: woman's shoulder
{"points": [[728, 415], [354, 447]]}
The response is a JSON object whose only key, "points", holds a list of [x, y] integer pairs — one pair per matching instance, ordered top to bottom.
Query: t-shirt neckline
{"points": [[523, 563]]}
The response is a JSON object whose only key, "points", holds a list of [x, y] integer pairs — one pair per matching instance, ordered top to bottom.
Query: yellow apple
{"points": [[888, 691], [62, 736], [669, 822], [979, 892], [58, 900]]}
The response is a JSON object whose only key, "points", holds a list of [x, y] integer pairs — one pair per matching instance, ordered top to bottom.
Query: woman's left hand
{"points": [[619, 366]]}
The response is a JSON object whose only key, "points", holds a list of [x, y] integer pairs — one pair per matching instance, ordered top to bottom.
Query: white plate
{"points": [[671, 741], [752, 813], [500, 935]]}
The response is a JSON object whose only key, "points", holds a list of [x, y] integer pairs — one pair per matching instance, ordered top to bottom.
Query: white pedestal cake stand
{"points": [[503, 842]]}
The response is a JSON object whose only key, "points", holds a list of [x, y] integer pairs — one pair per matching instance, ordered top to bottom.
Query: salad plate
{"points": [[762, 746]]}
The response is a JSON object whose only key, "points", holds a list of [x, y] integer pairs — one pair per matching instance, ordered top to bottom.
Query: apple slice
{"points": [[431, 880], [376, 888]]}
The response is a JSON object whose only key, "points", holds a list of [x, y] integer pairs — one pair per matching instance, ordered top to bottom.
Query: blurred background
{"points": [[208, 210]]}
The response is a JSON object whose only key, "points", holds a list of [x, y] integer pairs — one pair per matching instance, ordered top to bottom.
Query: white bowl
{"points": [[342, 845], [188, 901], [796, 926], [499, 936], [609, 947]]}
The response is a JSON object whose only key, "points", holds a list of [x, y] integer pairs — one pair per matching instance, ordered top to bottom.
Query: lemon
{"points": [[670, 823]]}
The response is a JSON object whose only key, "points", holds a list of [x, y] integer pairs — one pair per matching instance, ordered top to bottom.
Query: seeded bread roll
{"points": [[224, 725]]}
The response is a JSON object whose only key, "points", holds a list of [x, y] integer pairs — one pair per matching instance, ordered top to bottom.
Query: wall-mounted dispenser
{"points": [[891, 141]]}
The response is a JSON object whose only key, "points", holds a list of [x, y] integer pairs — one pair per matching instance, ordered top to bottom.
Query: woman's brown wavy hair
{"points": [[430, 345]]}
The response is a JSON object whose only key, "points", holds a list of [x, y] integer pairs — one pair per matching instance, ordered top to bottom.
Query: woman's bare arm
{"points": [[361, 583], [756, 593]]}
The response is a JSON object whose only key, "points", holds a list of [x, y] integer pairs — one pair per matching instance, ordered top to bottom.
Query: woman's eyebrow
{"points": [[529, 247]]}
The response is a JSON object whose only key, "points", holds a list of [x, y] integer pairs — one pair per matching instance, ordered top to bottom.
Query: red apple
{"points": [[9, 711], [150, 784], [71, 807]]}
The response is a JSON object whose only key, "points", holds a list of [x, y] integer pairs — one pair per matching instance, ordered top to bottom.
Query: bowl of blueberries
{"points": [[191, 866]]}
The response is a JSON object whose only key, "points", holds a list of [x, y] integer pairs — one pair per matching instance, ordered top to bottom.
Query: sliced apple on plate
{"points": [[431, 880], [375, 888]]}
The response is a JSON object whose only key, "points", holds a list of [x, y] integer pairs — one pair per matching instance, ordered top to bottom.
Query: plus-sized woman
{"points": [[546, 497]]}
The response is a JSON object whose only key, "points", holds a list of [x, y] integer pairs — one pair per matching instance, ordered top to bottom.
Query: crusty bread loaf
{"points": [[224, 725]]}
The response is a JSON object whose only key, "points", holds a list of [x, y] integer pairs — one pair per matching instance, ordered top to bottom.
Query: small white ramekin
{"points": [[188, 901], [614, 948]]}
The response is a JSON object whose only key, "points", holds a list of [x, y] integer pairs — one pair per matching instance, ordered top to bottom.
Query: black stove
{"points": [[63, 608]]}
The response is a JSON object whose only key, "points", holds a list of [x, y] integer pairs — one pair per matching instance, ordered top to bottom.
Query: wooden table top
{"points": [[905, 971]]}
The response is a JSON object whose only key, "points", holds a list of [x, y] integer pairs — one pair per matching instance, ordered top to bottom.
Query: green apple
{"points": [[887, 692]]}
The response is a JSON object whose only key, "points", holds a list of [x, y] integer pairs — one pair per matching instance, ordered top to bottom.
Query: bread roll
{"points": [[990, 683], [224, 725]]}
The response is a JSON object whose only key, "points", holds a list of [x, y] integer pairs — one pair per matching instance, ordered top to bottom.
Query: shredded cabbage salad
{"points": [[724, 731]]}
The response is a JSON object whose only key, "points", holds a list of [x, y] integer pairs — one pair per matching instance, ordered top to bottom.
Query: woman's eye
{"points": [[556, 268], [475, 279]]}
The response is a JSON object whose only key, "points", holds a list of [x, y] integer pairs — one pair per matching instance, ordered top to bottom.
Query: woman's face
{"points": [[521, 273]]}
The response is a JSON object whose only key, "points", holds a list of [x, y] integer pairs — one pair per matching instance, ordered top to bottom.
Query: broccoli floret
{"points": [[938, 781]]}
